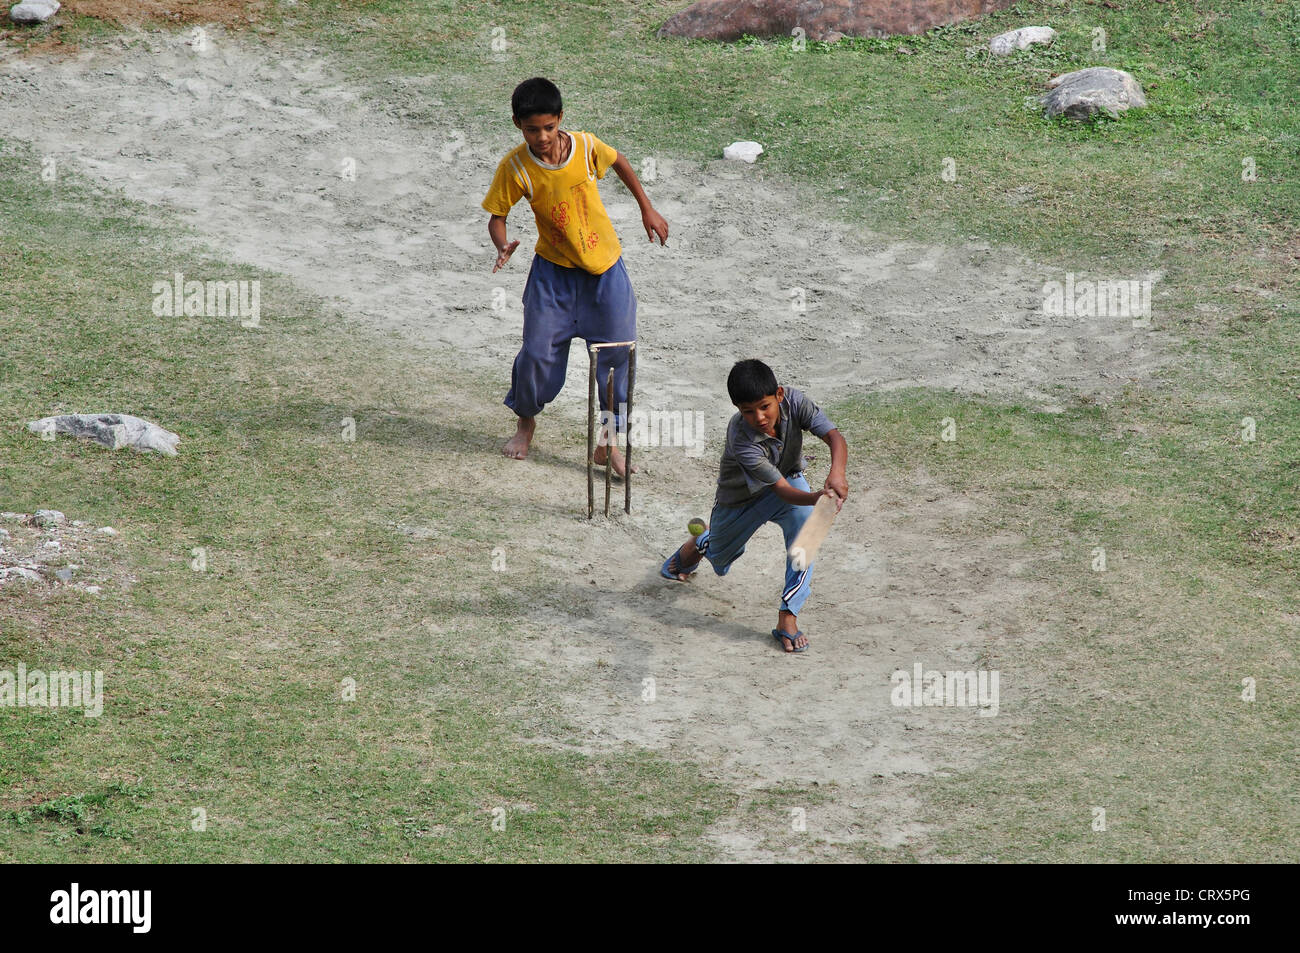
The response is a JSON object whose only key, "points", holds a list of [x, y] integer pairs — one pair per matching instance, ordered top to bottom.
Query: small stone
{"points": [[34, 11], [1007, 43], [745, 150], [13, 516], [47, 518], [78, 523], [107, 531], [51, 544], [19, 572], [64, 575], [93, 590]]}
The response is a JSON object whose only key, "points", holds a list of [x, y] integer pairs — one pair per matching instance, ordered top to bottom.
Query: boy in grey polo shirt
{"points": [[760, 480]]}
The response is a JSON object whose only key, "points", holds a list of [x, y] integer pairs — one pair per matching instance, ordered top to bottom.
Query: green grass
{"points": [[1132, 684], [1132, 689]]}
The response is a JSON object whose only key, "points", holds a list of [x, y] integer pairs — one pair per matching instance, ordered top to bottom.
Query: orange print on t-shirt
{"points": [[579, 193]]}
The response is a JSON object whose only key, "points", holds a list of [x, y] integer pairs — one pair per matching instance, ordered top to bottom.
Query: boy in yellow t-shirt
{"points": [[577, 285]]}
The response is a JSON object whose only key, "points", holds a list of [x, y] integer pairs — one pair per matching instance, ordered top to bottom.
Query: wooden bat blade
{"points": [[804, 548]]}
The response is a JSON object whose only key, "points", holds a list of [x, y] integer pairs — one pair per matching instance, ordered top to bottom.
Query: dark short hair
{"points": [[536, 96], [749, 381]]}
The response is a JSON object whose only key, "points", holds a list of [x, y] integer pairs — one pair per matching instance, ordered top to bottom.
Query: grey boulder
{"points": [[1087, 92], [111, 430], [47, 518]]}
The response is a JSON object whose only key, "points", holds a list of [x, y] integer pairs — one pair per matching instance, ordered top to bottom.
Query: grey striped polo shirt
{"points": [[752, 461]]}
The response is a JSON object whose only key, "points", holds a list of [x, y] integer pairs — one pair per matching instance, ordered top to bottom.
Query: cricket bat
{"points": [[804, 548]]}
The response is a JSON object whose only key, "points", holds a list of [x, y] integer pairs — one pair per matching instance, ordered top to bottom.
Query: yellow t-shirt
{"points": [[573, 229]]}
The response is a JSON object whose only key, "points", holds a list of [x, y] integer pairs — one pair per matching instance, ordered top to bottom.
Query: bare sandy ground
{"points": [[252, 145]]}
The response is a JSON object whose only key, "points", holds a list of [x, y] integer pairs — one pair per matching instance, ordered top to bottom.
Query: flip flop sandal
{"points": [[672, 565], [782, 636]]}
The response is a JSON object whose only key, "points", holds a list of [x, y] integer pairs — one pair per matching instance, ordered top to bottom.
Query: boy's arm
{"points": [[654, 222], [497, 232], [836, 479], [835, 482], [793, 496]]}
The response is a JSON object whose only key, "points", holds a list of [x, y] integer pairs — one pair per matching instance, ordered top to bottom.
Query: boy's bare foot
{"points": [[517, 446], [620, 467], [788, 624]]}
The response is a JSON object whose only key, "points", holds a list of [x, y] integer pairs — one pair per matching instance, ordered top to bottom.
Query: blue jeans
{"points": [[561, 304], [731, 526]]}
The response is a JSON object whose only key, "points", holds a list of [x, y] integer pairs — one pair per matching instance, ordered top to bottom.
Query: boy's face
{"points": [[540, 130], [763, 414]]}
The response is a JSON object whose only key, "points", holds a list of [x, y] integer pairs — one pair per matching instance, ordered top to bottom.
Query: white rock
{"points": [[34, 11], [1007, 43], [746, 151], [111, 430], [13, 516], [47, 518], [107, 531], [4, 534], [19, 572], [93, 590]]}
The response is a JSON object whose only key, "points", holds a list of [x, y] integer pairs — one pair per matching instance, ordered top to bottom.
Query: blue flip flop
{"points": [[667, 571], [782, 636]]}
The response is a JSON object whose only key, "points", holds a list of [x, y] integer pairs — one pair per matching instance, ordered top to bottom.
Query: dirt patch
{"points": [[228, 13], [52, 38], [56, 38], [369, 197], [894, 586]]}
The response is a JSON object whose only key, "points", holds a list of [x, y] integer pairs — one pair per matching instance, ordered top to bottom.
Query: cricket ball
{"points": [[696, 526]]}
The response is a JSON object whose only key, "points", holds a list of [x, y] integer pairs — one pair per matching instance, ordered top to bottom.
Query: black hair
{"points": [[536, 96], [750, 381]]}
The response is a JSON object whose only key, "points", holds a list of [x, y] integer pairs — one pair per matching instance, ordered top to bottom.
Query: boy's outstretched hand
{"points": [[655, 224], [504, 254]]}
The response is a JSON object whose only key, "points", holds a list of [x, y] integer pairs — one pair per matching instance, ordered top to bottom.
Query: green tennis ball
{"points": [[696, 526]]}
